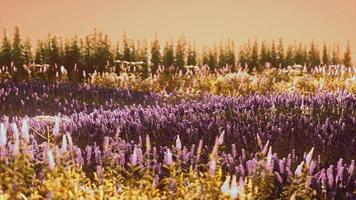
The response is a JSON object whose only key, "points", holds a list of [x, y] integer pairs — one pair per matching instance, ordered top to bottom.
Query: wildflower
{"points": [[55, 129], [25, 130], [3, 138], [221, 138], [148, 143], [178, 143], [64, 144], [16, 147], [264, 150], [134, 157], [168, 157], [309, 157], [269, 159], [51, 162], [212, 167], [298, 171], [226, 185], [234, 188]]}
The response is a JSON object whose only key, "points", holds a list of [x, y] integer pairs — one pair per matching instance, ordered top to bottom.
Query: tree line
{"points": [[96, 52]]}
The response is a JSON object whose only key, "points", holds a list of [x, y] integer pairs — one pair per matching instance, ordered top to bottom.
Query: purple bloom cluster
{"points": [[38, 98], [325, 121], [161, 135]]}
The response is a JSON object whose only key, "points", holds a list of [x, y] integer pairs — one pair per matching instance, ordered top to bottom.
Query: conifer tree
{"points": [[17, 49], [5, 50], [54, 50], [27, 52], [39, 52], [72, 53], [280, 53], [127, 54], [155, 54], [180, 54], [230, 54], [263, 54], [168, 55], [192, 55], [222, 55], [313, 55], [335, 55], [243, 56], [254, 56], [274, 56], [347, 56], [143, 57], [305, 57], [326, 57], [289, 59], [212, 61]]}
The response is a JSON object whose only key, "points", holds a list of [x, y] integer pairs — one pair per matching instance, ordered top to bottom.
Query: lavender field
{"points": [[177, 100], [97, 141]]}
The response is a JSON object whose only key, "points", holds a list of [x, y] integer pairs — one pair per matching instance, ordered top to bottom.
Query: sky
{"points": [[203, 21]]}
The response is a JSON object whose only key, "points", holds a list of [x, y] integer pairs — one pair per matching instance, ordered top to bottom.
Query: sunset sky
{"points": [[202, 21]]}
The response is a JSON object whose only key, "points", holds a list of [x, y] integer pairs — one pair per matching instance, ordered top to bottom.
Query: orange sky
{"points": [[202, 21]]}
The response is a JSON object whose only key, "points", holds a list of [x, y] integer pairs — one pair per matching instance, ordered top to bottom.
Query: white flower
{"points": [[55, 129], [25, 130], [3, 138], [221, 138], [148, 143], [178, 143], [64, 144], [134, 157], [168, 157], [309, 157], [269, 158], [51, 162], [212, 166], [298, 171], [225, 188], [233, 188]]}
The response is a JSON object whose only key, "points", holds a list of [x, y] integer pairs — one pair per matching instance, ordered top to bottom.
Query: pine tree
{"points": [[17, 49], [5, 50], [54, 50], [27, 52], [38, 52], [72, 53], [280, 53], [127, 54], [180, 54], [222, 54], [230, 54], [263, 54], [155, 55], [168, 55], [192, 55], [299, 55], [313, 55], [335, 55], [243, 56], [254, 56], [274, 56], [347, 56], [143, 57], [326, 57], [289, 59], [212, 61]]}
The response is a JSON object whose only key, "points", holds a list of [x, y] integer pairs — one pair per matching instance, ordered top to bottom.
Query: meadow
{"points": [[276, 134]]}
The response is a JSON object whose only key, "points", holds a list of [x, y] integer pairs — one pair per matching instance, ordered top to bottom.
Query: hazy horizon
{"points": [[203, 22]]}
